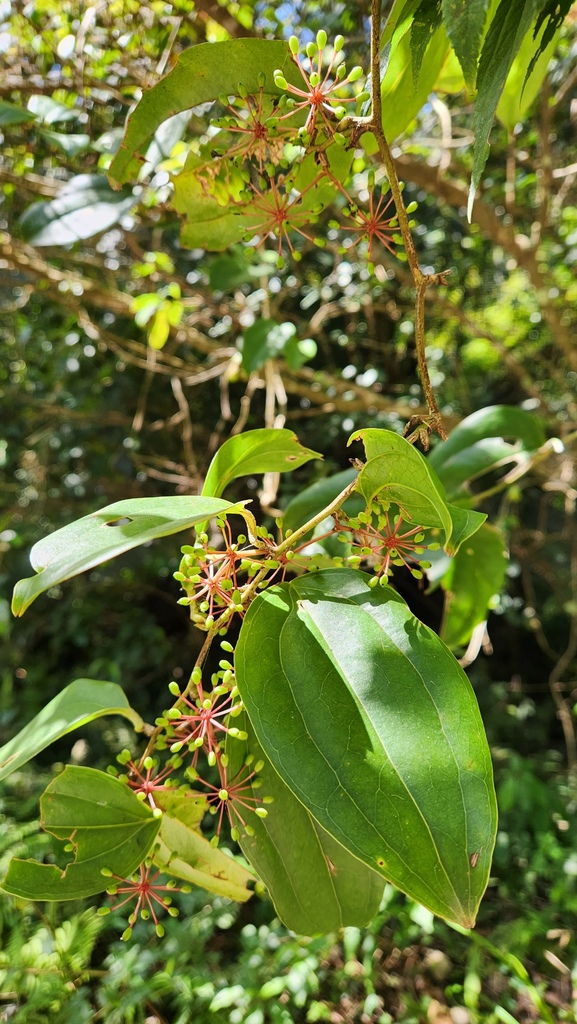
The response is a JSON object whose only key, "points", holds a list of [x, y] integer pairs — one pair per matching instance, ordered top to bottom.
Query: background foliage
{"points": [[93, 414]]}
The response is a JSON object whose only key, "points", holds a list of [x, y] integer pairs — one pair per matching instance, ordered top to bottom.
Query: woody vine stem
{"points": [[419, 427]]}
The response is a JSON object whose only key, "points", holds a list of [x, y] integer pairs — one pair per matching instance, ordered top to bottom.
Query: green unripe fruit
{"points": [[321, 39], [339, 43], [294, 45], [355, 74]]}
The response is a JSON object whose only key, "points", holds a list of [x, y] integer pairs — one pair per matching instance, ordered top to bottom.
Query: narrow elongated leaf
{"points": [[511, 21], [465, 22], [425, 23], [202, 74], [522, 88], [401, 100], [85, 206], [255, 451], [398, 473], [104, 534], [475, 575], [81, 702], [373, 725], [108, 826], [182, 850], [314, 883]]}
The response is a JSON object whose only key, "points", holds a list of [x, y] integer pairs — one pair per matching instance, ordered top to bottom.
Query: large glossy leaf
{"points": [[465, 22], [509, 25], [201, 74], [85, 206], [478, 443], [255, 451], [397, 472], [105, 534], [475, 575], [81, 702], [374, 726], [107, 825], [183, 851], [314, 883]]}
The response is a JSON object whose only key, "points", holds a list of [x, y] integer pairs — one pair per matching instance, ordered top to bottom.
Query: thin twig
{"points": [[419, 427]]}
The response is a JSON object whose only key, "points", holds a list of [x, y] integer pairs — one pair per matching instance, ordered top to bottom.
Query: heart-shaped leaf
{"points": [[255, 451], [396, 472], [107, 533], [79, 703], [374, 726], [107, 825], [183, 851], [315, 884]]}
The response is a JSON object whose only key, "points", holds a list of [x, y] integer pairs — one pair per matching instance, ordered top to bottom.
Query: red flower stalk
{"points": [[318, 96], [260, 135], [283, 212], [371, 225], [386, 542], [198, 727], [150, 781], [236, 797], [143, 888]]}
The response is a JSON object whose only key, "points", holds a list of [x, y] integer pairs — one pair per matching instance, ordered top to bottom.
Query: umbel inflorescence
{"points": [[280, 161]]}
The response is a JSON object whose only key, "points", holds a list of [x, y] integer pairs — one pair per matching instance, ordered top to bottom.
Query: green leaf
{"points": [[512, 20], [426, 21], [465, 23], [201, 75], [521, 87], [401, 100], [51, 111], [11, 114], [70, 145], [84, 207], [228, 272], [264, 339], [478, 443], [255, 451], [397, 472], [313, 499], [107, 533], [475, 575], [81, 702], [374, 726], [108, 826], [183, 851], [315, 884]]}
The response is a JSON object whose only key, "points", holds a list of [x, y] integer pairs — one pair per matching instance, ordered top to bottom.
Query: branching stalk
{"points": [[419, 427]]}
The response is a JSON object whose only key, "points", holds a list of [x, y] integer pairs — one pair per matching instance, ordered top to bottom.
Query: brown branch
{"points": [[456, 195], [419, 427]]}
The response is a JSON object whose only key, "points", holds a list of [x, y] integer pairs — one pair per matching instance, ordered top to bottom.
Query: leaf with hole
{"points": [[107, 533], [81, 702], [373, 725], [106, 824], [315, 884]]}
